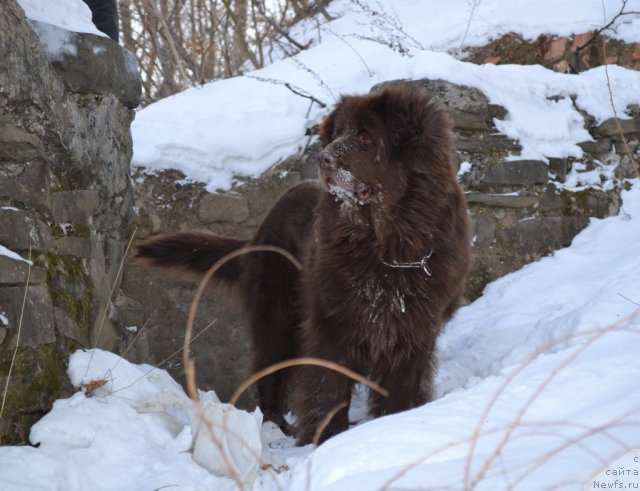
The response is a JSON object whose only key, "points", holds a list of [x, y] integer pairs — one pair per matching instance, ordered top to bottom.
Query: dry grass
{"points": [[112, 288], [15, 351], [469, 481]]}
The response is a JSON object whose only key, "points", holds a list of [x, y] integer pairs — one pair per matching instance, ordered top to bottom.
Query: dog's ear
{"points": [[401, 110], [414, 121], [327, 126]]}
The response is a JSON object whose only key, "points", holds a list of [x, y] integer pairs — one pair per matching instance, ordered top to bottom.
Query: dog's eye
{"points": [[364, 139]]}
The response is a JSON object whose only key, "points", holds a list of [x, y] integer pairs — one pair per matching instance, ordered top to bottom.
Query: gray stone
{"points": [[92, 64], [497, 112], [469, 121], [610, 127], [486, 144], [18, 145], [602, 145], [559, 168], [627, 168], [518, 172], [26, 182], [502, 200], [550, 200], [599, 204], [74, 206], [223, 208], [21, 229], [483, 230], [534, 237], [72, 246], [14, 271], [127, 313], [37, 319], [68, 327]]}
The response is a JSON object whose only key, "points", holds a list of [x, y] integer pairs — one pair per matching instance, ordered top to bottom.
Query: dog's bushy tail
{"points": [[189, 255]]}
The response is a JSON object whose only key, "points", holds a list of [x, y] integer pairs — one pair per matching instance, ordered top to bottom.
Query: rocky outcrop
{"points": [[571, 54], [65, 204]]}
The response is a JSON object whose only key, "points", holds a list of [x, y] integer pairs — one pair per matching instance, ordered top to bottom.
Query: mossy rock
{"points": [[37, 379]]}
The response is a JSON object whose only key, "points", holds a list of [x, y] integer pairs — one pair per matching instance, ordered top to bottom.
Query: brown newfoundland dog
{"points": [[384, 240]]}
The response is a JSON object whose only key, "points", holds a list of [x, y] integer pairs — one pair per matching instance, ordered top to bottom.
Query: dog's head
{"points": [[373, 144]]}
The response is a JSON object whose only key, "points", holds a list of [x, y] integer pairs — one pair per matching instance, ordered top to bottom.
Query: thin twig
{"points": [[466, 31], [341, 38], [576, 67], [293, 88], [632, 159], [112, 287], [626, 298], [595, 335], [15, 351], [306, 361], [162, 362], [189, 364], [325, 422], [475, 436]]}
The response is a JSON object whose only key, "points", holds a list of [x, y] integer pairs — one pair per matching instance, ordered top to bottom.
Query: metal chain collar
{"points": [[422, 264]]}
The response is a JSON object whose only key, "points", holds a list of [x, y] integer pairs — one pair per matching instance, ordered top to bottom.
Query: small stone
{"points": [[580, 40], [556, 49], [470, 121], [610, 127], [18, 145], [603, 145], [559, 168], [518, 172], [28, 182], [550, 199], [501, 200], [74, 206], [220, 207], [20, 230], [483, 230], [535, 237], [72, 246], [15, 271], [127, 312], [37, 316], [68, 327]]}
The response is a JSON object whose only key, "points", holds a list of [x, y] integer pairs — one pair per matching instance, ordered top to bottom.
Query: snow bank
{"points": [[72, 15], [246, 124], [543, 368], [132, 427]]}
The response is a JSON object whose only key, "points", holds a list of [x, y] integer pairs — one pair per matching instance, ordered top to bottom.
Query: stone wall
{"points": [[66, 104], [520, 212]]}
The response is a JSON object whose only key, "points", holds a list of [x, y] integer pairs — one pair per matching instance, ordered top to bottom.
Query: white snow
{"points": [[72, 15], [244, 125], [465, 167], [13, 255], [542, 369]]}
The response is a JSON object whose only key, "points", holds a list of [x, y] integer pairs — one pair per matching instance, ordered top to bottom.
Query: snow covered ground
{"points": [[538, 382], [538, 389]]}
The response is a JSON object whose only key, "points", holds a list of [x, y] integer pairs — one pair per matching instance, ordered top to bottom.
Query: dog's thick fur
{"points": [[387, 199]]}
